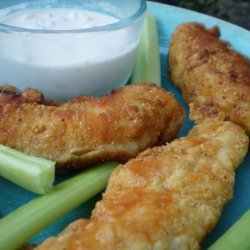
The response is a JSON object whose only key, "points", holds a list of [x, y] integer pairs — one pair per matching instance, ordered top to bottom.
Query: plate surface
{"points": [[168, 17]]}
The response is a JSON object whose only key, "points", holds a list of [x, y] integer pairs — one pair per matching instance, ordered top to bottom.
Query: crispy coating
{"points": [[214, 78], [87, 130], [169, 197]]}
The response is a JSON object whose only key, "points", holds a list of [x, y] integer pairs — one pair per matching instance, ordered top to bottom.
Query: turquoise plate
{"points": [[168, 17]]}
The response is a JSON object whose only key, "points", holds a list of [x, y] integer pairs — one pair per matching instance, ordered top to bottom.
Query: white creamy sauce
{"points": [[58, 19], [65, 65]]}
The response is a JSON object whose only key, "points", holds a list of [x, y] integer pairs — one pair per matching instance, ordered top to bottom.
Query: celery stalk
{"points": [[147, 65], [33, 173], [22, 224], [237, 237]]}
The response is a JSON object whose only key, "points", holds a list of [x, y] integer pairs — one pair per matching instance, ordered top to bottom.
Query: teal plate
{"points": [[168, 17]]}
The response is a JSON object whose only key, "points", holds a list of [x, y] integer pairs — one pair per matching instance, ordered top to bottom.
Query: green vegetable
{"points": [[147, 66], [33, 173], [19, 226], [237, 237]]}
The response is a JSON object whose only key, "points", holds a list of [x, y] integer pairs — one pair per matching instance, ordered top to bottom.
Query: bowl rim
{"points": [[109, 27]]}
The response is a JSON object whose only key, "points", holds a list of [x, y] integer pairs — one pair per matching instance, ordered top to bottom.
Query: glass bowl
{"points": [[68, 62]]}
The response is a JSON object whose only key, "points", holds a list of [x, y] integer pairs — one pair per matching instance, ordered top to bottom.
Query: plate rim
{"points": [[199, 14]]}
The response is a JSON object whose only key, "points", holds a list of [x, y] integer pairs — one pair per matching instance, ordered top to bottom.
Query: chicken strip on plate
{"points": [[214, 78], [86, 130], [169, 197]]}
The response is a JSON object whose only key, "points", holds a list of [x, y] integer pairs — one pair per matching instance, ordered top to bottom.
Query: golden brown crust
{"points": [[211, 75], [86, 130], [168, 197]]}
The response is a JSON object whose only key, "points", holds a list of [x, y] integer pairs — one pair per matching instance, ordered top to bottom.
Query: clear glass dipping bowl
{"points": [[68, 63]]}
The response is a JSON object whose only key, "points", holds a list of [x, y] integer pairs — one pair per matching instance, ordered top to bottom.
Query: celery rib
{"points": [[147, 65], [32, 173], [22, 224], [237, 237]]}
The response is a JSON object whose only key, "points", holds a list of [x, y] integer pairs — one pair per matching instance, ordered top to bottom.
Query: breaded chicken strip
{"points": [[214, 78], [87, 130], [168, 197]]}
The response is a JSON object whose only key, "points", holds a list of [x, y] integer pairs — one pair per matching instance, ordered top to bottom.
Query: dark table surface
{"points": [[234, 11]]}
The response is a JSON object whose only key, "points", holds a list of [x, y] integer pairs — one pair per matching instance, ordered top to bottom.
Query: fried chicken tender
{"points": [[215, 80], [87, 130], [169, 197]]}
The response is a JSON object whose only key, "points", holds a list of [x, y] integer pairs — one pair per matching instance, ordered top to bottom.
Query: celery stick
{"points": [[147, 66], [33, 173], [22, 224], [237, 237]]}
